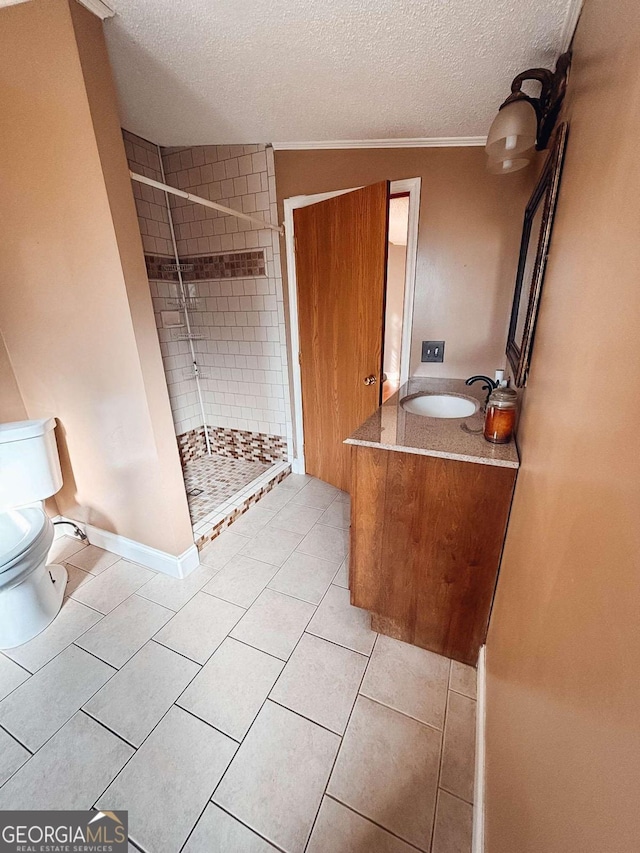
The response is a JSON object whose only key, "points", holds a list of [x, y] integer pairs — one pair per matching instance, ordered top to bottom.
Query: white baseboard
{"points": [[152, 558], [477, 845]]}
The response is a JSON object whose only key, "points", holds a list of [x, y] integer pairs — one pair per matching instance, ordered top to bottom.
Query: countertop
{"points": [[393, 428]]}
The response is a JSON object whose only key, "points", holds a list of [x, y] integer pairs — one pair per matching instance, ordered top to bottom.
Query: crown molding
{"points": [[96, 6], [570, 23], [417, 142]]}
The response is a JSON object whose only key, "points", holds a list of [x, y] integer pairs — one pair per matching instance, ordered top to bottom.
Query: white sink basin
{"points": [[440, 406]]}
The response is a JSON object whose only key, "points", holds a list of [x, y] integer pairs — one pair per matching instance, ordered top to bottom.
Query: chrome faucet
{"points": [[489, 386]]}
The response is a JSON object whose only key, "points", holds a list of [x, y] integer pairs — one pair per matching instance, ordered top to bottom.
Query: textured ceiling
{"points": [[222, 71]]}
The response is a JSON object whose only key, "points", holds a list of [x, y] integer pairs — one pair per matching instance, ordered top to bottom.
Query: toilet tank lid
{"points": [[19, 430]]}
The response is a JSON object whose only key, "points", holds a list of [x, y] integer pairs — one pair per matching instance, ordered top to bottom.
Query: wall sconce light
{"points": [[524, 124]]}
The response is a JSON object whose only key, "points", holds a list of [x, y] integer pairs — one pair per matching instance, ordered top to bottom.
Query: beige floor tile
{"points": [[295, 482], [316, 494], [277, 497], [337, 514], [296, 519], [253, 520], [329, 543], [272, 545], [63, 547], [218, 553], [93, 559], [342, 575], [304, 577], [75, 578], [241, 581], [110, 588], [174, 593], [336, 620], [70, 623], [274, 623], [197, 630], [121, 633], [11, 675], [409, 679], [463, 679], [321, 682], [231, 688], [138, 696], [40, 706], [179, 748], [458, 751], [298, 754], [12, 756], [387, 770], [70, 771], [454, 825], [340, 830], [218, 832]]}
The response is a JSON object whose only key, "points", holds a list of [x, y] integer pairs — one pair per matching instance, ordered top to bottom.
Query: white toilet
{"points": [[31, 592]]}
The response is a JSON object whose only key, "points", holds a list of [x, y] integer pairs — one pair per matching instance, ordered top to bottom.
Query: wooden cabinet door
{"points": [[341, 262], [426, 540]]}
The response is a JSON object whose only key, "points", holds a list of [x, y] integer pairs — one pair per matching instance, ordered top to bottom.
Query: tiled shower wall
{"points": [[150, 203], [153, 219], [239, 317], [242, 319]]}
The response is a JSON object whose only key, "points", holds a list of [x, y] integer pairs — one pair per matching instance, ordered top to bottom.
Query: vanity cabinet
{"points": [[426, 540]]}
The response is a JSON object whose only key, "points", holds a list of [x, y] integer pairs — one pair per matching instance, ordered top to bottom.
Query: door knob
{"points": [[370, 380]]}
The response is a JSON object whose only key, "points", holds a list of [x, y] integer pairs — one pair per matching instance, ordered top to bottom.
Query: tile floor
{"points": [[218, 478], [223, 515], [246, 709]]}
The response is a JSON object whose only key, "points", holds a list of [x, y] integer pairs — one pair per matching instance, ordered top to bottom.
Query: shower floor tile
{"points": [[220, 478]]}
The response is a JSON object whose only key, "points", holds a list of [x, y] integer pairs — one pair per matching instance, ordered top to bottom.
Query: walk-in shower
{"points": [[216, 287], [184, 302]]}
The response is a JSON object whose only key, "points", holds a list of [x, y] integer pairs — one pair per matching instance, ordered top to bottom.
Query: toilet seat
{"points": [[25, 538]]}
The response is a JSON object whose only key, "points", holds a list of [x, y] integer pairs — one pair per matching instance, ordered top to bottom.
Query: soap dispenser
{"points": [[500, 417]]}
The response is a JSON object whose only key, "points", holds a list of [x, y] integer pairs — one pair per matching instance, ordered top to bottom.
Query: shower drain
{"points": [[193, 493]]}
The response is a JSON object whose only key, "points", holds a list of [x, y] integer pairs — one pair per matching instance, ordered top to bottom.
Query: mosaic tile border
{"points": [[249, 264], [156, 268], [232, 443], [243, 444], [191, 445], [209, 528]]}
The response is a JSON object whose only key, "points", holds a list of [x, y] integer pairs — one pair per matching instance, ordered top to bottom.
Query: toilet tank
{"points": [[29, 463]]}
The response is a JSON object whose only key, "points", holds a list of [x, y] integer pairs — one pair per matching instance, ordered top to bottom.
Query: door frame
{"points": [[408, 185]]}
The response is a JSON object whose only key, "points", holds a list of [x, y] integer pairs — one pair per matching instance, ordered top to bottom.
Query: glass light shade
{"points": [[514, 130], [509, 164]]}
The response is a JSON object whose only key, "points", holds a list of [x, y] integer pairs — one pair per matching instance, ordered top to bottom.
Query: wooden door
{"points": [[341, 262]]}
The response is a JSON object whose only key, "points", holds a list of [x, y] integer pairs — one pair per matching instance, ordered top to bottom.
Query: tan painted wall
{"points": [[470, 224], [75, 306], [11, 403], [563, 651]]}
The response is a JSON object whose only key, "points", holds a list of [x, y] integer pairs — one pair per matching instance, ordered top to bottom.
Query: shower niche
{"points": [[216, 288]]}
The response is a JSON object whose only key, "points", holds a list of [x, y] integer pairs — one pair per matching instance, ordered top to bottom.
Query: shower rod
{"points": [[196, 199]]}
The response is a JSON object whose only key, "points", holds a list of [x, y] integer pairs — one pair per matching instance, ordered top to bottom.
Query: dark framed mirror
{"points": [[534, 250]]}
